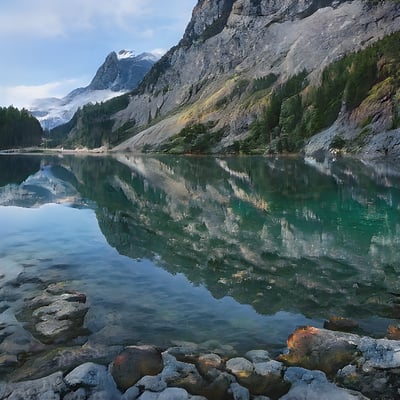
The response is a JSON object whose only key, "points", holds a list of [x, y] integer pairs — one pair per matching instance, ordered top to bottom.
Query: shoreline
{"points": [[317, 363]]}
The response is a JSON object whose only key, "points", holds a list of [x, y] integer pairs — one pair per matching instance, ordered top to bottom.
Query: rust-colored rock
{"points": [[340, 324], [393, 332], [320, 349], [133, 363]]}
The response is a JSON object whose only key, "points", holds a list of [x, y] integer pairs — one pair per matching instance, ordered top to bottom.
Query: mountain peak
{"points": [[123, 54]]}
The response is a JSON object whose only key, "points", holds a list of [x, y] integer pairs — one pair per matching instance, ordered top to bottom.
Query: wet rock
{"points": [[24, 278], [58, 317], [340, 324], [393, 332], [15, 342], [321, 349], [257, 356], [64, 359], [8, 360], [133, 363], [208, 363], [240, 367], [183, 375], [186, 376], [94, 378], [261, 378], [375, 384], [313, 385], [50, 387]]}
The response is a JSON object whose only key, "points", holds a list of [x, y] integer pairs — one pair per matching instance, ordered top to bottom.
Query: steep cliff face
{"points": [[209, 77]]}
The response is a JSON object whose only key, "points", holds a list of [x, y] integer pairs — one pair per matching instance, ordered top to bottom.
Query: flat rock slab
{"points": [[58, 314]]}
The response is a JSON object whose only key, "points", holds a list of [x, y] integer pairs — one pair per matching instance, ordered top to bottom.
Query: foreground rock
{"points": [[133, 363], [319, 364], [371, 366]]}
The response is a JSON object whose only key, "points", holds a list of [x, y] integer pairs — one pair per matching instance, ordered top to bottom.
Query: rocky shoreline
{"points": [[318, 363]]}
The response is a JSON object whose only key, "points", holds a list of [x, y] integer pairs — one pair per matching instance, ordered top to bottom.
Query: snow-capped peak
{"points": [[122, 54]]}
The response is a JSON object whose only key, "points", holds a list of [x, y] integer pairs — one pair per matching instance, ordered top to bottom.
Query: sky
{"points": [[50, 47]]}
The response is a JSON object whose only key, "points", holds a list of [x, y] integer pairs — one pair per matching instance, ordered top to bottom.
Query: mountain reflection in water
{"points": [[296, 241]]}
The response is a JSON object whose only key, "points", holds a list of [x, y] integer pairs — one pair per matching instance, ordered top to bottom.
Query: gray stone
{"points": [[61, 309], [380, 353], [257, 356], [208, 363], [240, 367], [270, 368], [175, 371], [97, 378], [152, 383], [313, 385], [48, 388], [239, 392], [79, 394], [131, 394], [174, 394], [149, 396]]}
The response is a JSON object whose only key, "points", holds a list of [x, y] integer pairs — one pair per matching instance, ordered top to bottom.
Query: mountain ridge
{"points": [[119, 74], [208, 78]]}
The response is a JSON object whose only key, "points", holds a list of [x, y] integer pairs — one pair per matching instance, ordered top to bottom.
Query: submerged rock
{"points": [[57, 314], [340, 324]]}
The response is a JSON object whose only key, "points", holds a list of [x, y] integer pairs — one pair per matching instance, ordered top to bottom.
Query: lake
{"points": [[233, 252]]}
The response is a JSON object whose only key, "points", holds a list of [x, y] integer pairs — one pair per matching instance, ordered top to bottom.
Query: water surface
{"points": [[237, 251]]}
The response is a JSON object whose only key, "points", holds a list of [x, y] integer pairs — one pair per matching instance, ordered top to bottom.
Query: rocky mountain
{"points": [[120, 73], [255, 76]]}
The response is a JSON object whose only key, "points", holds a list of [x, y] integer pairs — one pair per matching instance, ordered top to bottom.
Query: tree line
{"points": [[18, 128]]}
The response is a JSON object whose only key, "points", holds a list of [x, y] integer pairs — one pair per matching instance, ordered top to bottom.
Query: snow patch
{"points": [[123, 54]]}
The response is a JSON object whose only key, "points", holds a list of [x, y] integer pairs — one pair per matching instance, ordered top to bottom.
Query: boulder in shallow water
{"points": [[58, 317], [340, 324], [321, 349], [133, 363]]}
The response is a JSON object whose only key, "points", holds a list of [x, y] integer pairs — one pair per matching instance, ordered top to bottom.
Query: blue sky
{"points": [[50, 47]]}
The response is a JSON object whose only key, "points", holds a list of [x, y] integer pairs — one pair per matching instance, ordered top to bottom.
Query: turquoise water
{"points": [[238, 251]]}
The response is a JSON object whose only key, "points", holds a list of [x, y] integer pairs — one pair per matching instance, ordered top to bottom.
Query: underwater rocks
{"points": [[57, 314]]}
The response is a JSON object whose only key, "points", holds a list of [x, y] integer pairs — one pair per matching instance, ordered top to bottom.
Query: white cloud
{"points": [[49, 18], [158, 52], [23, 95]]}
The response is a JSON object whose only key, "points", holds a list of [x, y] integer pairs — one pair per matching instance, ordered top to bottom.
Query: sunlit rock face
{"points": [[228, 42]]}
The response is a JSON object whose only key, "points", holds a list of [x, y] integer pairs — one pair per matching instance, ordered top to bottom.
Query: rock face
{"points": [[230, 43], [122, 71]]}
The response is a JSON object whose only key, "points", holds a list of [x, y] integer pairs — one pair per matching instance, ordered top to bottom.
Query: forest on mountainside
{"points": [[296, 111], [18, 128]]}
